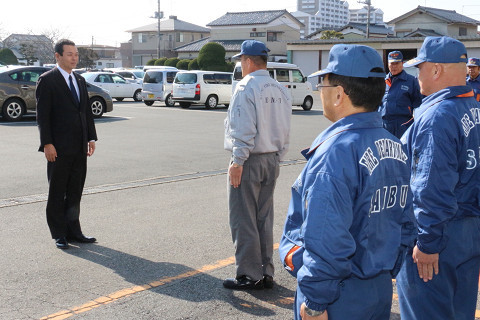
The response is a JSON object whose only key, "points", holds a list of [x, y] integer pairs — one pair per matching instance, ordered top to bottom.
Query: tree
{"points": [[331, 34], [28, 52], [7, 57], [211, 57], [87, 58], [172, 62], [183, 64], [193, 65]]}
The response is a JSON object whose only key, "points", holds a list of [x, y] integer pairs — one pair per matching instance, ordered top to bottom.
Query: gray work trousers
{"points": [[251, 215]]}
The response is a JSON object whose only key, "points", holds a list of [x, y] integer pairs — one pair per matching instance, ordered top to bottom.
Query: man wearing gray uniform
{"points": [[257, 130]]}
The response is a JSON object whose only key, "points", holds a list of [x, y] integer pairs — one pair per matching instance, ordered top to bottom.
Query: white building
{"points": [[333, 13], [360, 15], [312, 22]]}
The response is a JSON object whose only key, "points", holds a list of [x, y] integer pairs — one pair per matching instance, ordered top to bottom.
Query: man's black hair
{"points": [[62, 42], [363, 92]]}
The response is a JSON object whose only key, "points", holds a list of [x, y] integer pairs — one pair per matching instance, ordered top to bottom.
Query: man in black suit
{"points": [[67, 137]]}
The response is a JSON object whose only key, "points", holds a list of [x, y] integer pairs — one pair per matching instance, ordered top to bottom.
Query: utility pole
{"points": [[369, 4], [158, 15]]}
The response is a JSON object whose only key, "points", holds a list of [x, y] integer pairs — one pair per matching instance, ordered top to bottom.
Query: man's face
{"points": [[68, 61], [395, 67], [473, 72], [425, 76], [327, 97]]}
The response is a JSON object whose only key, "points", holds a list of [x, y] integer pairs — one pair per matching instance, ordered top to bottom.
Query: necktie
{"points": [[72, 88]]}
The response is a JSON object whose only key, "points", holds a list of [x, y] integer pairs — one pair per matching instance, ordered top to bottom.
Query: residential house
{"points": [[425, 21], [275, 28], [358, 30], [148, 44], [36, 47], [108, 56]]}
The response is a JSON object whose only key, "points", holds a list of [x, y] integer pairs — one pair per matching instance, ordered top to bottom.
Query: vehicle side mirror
{"points": [[305, 79]]}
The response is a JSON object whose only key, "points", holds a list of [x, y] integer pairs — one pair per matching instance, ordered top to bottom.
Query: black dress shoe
{"points": [[82, 239], [61, 243], [267, 282], [243, 283]]}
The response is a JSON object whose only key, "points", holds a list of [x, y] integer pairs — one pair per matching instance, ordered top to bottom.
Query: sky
{"points": [[105, 22]]}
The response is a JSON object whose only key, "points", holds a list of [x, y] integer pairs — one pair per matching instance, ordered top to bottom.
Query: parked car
{"points": [[132, 75], [291, 77], [115, 84], [157, 85], [202, 87], [17, 93]]}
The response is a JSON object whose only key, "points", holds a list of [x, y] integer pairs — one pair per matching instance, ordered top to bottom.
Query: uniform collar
{"points": [[402, 75], [473, 80], [447, 93], [354, 121]]}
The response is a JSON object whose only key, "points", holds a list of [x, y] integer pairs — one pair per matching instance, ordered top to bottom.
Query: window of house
{"points": [[462, 31], [257, 34], [179, 36], [271, 36], [142, 38], [110, 65]]}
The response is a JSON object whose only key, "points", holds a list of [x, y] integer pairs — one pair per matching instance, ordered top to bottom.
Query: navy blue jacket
{"points": [[475, 84], [402, 95], [444, 145], [351, 209]]}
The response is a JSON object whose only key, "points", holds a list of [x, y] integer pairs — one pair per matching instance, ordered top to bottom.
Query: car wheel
{"points": [[137, 96], [119, 99], [169, 101], [212, 102], [148, 103], [307, 103], [185, 105], [98, 106], [13, 109]]}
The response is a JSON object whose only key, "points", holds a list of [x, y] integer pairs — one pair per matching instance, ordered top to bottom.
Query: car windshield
{"points": [[139, 74], [153, 77], [186, 78]]}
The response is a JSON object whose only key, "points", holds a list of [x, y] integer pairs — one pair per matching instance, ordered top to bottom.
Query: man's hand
{"points": [[91, 148], [50, 152], [235, 174], [426, 264], [305, 316]]}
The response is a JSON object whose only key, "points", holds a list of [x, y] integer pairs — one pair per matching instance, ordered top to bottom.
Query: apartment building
{"points": [[333, 13], [360, 15]]}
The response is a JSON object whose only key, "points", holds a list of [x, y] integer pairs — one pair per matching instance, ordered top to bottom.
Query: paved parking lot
{"points": [[155, 199]]}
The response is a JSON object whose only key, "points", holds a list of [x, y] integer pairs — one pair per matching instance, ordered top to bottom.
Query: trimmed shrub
{"points": [[211, 55], [7, 57], [151, 62], [160, 62], [171, 62], [183, 64], [193, 65], [229, 66]]}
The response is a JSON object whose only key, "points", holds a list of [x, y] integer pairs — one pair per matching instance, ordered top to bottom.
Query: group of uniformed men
{"points": [[371, 204]]}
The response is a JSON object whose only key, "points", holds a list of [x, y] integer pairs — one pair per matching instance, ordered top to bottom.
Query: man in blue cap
{"points": [[473, 79], [402, 95], [257, 133], [350, 217], [440, 278]]}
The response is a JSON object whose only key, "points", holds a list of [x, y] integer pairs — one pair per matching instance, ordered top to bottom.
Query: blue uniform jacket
{"points": [[475, 84], [402, 95], [444, 145], [351, 209]]}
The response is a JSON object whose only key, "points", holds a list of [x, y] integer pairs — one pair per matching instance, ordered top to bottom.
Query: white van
{"points": [[291, 77], [157, 85], [202, 87]]}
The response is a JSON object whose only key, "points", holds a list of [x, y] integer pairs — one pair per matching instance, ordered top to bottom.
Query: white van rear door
{"points": [[184, 85]]}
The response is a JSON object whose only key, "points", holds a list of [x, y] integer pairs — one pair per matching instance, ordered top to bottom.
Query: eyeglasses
{"points": [[321, 85]]}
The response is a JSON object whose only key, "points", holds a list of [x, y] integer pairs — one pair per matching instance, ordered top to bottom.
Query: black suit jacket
{"points": [[61, 120]]}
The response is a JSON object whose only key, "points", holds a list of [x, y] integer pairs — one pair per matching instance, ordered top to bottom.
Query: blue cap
{"points": [[252, 48], [440, 50], [395, 56], [353, 60], [473, 62]]}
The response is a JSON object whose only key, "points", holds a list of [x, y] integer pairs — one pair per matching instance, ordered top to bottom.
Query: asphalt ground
{"points": [[155, 198]]}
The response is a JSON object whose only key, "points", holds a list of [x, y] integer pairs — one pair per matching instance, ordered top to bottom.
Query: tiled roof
{"points": [[450, 16], [247, 18], [171, 25], [374, 28], [423, 32], [195, 46]]}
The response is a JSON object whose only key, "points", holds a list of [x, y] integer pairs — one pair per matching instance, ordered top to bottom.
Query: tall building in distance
{"points": [[329, 13], [360, 15]]}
